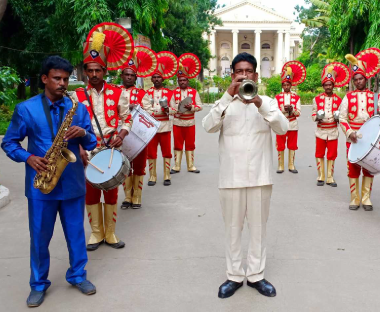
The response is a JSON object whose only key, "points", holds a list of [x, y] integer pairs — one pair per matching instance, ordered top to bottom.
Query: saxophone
{"points": [[58, 155]]}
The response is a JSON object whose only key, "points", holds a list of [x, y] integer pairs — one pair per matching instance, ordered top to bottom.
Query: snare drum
{"points": [[144, 128], [366, 152], [109, 178]]}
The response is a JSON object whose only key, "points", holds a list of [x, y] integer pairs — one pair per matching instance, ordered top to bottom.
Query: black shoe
{"points": [[172, 171], [195, 171], [280, 171], [293, 171], [167, 182], [151, 183], [320, 183], [333, 184], [125, 205], [136, 206], [353, 207], [368, 207], [117, 245], [92, 247], [86, 287], [263, 287], [228, 288], [35, 298]]}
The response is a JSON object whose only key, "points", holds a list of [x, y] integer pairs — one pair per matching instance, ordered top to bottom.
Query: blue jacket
{"points": [[29, 120]]}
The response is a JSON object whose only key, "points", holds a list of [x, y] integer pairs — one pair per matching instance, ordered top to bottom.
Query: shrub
{"points": [[313, 79], [8, 80], [210, 98]]}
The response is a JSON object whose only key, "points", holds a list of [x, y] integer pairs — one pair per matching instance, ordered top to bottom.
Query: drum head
{"points": [[370, 131], [101, 160]]}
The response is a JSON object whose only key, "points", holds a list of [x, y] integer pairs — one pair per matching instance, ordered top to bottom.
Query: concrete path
{"points": [[321, 256]]}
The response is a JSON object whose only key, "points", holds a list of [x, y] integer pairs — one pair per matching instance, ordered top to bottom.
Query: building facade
{"points": [[248, 26]]}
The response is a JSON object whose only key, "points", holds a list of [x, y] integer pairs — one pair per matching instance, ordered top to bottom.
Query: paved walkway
{"points": [[321, 256]]}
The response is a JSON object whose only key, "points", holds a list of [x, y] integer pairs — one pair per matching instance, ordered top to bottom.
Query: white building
{"points": [[249, 26]]}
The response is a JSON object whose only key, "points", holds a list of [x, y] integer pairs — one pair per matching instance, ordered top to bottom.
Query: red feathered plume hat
{"points": [[109, 45], [144, 62], [366, 62], [167, 64], [189, 66], [293, 72], [337, 73]]}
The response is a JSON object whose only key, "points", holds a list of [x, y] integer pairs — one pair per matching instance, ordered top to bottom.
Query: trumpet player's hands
{"points": [[235, 85], [256, 100], [74, 132], [353, 137], [83, 155], [38, 163]]}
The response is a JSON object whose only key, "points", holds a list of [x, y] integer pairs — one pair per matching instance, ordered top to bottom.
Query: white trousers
{"points": [[237, 204]]}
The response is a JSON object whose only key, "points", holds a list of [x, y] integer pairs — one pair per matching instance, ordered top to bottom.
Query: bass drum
{"points": [[144, 128], [366, 152], [108, 178]]}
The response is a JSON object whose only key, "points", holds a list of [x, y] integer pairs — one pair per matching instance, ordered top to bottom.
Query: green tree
{"points": [[185, 21], [313, 79]]}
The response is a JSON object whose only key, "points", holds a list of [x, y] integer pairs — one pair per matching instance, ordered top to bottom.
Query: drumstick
{"points": [[359, 135], [109, 165], [100, 170]]}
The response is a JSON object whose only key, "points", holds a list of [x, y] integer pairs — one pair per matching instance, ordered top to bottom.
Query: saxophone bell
{"points": [[248, 89]]}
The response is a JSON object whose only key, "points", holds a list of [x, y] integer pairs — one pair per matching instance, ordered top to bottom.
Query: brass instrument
{"points": [[248, 89], [163, 102], [58, 155]]}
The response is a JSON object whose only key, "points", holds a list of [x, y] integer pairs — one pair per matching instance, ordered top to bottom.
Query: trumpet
{"points": [[248, 89]]}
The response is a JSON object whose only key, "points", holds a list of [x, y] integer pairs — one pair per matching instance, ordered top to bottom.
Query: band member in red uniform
{"points": [[143, 64], [167, 67], [293, 74], [106, 104], [356, 108], [325, 113], [184, 122]]}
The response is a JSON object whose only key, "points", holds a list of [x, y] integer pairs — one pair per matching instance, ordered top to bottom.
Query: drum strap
{"points": [[97, 122]]}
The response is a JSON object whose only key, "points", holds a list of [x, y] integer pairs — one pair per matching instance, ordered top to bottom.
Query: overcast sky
{"points": [[284, 7]]}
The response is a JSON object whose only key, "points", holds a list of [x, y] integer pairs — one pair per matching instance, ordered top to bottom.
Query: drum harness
{"points": [[97, 122]]}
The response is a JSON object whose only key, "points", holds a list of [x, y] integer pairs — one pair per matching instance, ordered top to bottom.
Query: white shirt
{"points": [[245, 140]]}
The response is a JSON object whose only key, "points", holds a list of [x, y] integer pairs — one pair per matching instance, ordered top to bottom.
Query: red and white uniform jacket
{"points": [[136, 96], [284, 99], [109, 105], [356, 108], [158, 112], [187, 118], [327, 128]]}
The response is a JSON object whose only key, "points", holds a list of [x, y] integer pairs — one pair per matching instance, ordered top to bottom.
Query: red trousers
{"points": [[184, 135], [291, 137], [165, 140], [330, 145], [138, 164], [354, 169], [93, 195]]}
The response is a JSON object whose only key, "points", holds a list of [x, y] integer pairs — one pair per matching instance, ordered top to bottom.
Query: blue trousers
{"points": [[42, 216]]}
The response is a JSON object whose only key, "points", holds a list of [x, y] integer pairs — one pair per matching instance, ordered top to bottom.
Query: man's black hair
{"points": [[244, 57], [54, 62]]}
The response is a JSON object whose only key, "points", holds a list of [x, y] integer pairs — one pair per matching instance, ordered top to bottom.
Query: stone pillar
{"points": [[235, 42], [287, 47], [258, 50], [213, 60], [279, 61], [205, 71]]}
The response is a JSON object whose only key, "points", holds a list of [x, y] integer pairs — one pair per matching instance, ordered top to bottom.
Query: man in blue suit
{"points": [[31, 119]]}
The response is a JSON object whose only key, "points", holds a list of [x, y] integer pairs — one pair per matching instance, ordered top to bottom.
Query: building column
{"points": [[235, 42], [287, 47], [258, 50], [213, 60], [279, 60]]}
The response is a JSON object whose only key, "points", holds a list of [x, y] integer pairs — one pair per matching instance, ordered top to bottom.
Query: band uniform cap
{"points": [[119, 44], [370, 60], [143, 62], [167, 64], [189, 66], [293, 72], [336, 72]]}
